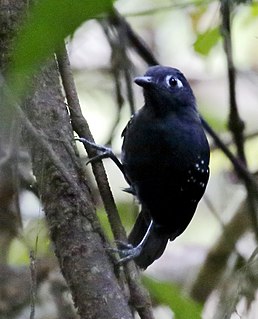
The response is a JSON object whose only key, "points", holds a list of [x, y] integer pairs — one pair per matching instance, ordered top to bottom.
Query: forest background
{"points": [[66, 70]]}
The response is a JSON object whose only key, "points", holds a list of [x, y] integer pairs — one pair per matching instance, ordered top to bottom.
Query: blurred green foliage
{"points": [[49, 23], [206, 41], [127, 213], [35, 237], [169, 294]]}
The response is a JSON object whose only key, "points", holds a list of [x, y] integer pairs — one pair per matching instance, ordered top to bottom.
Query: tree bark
{"points": [[67, 201]]}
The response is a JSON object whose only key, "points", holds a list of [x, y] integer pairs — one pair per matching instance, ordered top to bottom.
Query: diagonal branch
{"points": [[135, 41], [81, 127], [239, 167], [139, 296]]}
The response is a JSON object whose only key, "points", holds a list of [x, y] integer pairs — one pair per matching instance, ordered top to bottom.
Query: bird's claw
{"points": [[102, 151], [105, 154], [122, 245], [126, 252], [129, 254]]}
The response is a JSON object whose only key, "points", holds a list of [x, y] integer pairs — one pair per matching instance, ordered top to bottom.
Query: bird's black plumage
{"points": [[165, 157]]}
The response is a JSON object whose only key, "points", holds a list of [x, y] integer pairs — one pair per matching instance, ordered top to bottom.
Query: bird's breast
{"points": [[163, 143]]}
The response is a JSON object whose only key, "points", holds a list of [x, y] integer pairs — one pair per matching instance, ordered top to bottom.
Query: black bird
{"points": [[165, 155], [165, 160]]}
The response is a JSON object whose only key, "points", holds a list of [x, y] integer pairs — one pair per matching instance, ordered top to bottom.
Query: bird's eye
{"points": [[173, 82]]}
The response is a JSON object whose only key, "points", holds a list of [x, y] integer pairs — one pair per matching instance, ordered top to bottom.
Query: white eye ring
{"points": [[179, 84]]}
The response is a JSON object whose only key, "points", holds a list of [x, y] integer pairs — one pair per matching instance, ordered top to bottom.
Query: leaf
{"points": [[254, 11], [49, 23], [206, 41], [169, 294]]}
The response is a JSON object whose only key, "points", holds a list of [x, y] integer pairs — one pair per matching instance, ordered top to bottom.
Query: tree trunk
{"points": [[66, 198]]}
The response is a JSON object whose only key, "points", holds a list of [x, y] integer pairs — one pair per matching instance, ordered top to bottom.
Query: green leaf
{"points": [[254, 10], [49, 23], [206, 41], [169, 294]]}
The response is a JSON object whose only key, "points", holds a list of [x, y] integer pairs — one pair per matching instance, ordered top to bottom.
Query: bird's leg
{"points": [[102, 152], [128, 252]]}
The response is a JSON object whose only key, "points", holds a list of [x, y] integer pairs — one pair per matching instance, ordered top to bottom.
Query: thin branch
{"points": [[174, 5], [118, 41], [135, 41], [126, 65], [116, 73], [236, 124], [81, 127], [229, 141], [13, 160], [239, 167], [216, 259], [33, 274], [139, 296]]}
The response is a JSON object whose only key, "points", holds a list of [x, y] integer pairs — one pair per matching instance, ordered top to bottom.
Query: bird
{"points": [[165, 156], [165, 160]]}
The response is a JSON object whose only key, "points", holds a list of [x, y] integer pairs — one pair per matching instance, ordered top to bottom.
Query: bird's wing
{"points": [[127, 126]]}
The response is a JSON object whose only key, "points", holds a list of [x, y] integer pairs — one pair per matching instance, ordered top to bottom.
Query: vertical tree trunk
{"points": [[66, 198]]}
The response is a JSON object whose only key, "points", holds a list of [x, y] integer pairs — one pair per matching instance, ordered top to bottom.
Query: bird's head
{"points": [[166, 89]]}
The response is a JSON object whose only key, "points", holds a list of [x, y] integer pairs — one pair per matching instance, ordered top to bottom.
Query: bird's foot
{"points": [[102, 151], [126, 251]]}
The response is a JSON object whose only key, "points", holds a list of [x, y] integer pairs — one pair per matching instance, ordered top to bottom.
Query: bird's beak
{"points": [[143, 81]]}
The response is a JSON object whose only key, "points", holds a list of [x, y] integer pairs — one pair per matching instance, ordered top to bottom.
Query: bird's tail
{"points": [[154, 245]]}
